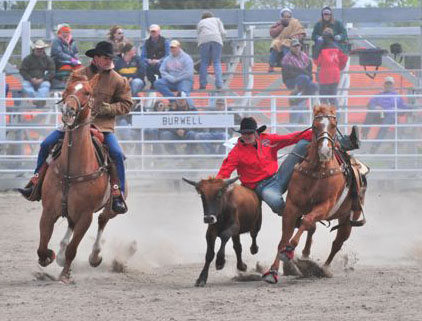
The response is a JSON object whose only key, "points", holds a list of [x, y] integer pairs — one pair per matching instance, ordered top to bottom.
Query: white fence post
{"points": [[26, 39], [2, 106], [273, 115], [396, 148]]}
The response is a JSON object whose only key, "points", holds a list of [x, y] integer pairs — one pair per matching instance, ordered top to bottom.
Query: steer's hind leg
{"points": [[254, 233], [237, 246], [203, 277]]}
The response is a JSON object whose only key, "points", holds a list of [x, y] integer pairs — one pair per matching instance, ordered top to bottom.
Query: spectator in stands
{"points": [[328, 21], [210, 31], [283, 32], [116, 37], [155, 49], [64, 52], [331, 60], [128, 64], [37, 70], [297, 70], [177, 74], [297, 75], [181, 105], [386, 115], [154, 133], [214, 133]]}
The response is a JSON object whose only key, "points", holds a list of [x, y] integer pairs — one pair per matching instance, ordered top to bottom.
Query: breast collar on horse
{"points": [[66, 179]]}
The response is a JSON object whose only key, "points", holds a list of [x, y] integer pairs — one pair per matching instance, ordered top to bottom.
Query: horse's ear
{"points": [[93, 82], [317, 109], [333, 110]]}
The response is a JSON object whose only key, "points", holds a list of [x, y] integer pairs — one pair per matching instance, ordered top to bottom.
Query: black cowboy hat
{"points": [[103, 48], [249, 125]]}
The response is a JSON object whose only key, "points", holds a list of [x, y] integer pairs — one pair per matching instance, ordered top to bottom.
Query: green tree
{"points": [[398, 3], [193, 4], [307, 4]]}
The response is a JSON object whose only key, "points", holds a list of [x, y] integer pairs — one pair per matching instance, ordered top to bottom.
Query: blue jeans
{"points": [[210, 51], [277, 56], [152, 71], [304, 84], [136, 86], [166, 88], [330, 89], [41, 92], [172, 135], [110, 140], [210, 148], [271, 190]]}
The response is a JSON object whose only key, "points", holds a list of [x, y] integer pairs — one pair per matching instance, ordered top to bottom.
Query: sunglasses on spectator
{"points": [[327, 14]]}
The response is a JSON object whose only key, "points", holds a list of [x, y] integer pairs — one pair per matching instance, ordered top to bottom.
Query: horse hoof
{"points": [[254, 249], [287, 254], [50, 258], [95, 263], [219, 263], [242, 267], [327, 271], [270, 276], [64, 278], [200, 283]]}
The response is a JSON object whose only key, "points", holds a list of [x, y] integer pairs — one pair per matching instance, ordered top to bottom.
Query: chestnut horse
{"points": [[75, 186], [319, 191]]}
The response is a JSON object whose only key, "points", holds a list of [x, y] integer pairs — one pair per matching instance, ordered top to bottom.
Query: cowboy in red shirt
{"points": [[255, 159]]}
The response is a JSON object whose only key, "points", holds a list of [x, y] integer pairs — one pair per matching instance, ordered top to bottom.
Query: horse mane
{"points": [[324, 109]]}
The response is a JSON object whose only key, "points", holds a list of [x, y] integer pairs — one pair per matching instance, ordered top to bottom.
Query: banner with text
{"points": [[183, 121]]}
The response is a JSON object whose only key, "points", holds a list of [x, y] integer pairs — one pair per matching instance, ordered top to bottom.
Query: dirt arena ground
{"points": [[377, 276]]}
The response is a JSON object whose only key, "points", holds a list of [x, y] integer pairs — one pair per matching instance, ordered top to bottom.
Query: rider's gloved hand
{"points": [[337, 37], [106, 110]]}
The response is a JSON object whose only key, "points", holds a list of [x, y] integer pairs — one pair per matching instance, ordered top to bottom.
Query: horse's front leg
{"points": [[289, 221], [308, 222], [78, 233], [211, 237], [225, 237], [45, 255], [61, 258]]}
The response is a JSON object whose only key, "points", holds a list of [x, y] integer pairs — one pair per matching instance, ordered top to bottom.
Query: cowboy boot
{"points": [[354, 137], [28, 190], [118, 204]]}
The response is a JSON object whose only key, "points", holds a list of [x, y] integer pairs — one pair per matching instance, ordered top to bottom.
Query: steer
{"points": [[229, 212]]}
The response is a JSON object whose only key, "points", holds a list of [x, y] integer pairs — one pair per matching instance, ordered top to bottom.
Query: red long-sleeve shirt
{"points": [[331, 61], [256, 163]]}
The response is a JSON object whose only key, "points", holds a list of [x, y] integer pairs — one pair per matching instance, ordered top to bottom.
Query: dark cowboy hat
{"points": [[103, 48], [249, 125]]}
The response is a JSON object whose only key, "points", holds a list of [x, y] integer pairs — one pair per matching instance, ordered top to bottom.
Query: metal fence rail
{"points": [[153, 144]]}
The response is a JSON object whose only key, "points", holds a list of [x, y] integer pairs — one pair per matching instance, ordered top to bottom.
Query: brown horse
{"points": [[75, 186], [319, 191], [228, 213]]}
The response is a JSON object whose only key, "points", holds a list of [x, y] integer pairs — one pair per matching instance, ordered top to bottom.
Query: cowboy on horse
{"points": [[111, 98], [255, 159]]}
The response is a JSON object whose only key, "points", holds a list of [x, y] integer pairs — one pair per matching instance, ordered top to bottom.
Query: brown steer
{"points": [[229, 213]]}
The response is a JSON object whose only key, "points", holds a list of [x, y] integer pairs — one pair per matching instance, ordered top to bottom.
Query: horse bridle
{"points": [[81, 108], [324, 134]]}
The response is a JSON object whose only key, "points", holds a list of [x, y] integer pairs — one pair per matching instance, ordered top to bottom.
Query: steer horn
{"points": [[231, 180], [193, 183]]}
